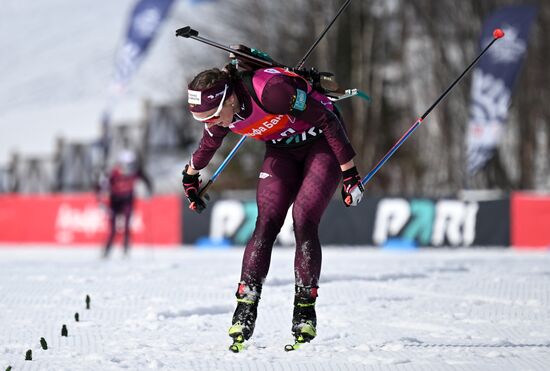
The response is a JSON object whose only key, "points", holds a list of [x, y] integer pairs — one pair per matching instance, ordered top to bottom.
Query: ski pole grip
{"points": [[186, 31], [202, 192]]}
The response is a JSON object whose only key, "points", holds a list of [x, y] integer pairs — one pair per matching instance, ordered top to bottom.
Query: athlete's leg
{"points": [[321, 177], [320, 180], [279, 181], [128, 208], [113, 210]]}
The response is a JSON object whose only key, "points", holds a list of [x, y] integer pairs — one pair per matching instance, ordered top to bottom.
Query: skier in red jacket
{"points": [[120, 187]]}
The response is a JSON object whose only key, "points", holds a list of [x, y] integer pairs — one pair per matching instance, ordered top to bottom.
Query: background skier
{"points": [[120, 187]]}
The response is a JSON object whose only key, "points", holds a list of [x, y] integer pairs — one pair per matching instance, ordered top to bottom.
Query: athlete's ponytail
{"points": [[234, 74]]}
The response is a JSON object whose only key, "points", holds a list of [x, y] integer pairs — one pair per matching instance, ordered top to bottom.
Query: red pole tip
{"points": [[498, 33]]}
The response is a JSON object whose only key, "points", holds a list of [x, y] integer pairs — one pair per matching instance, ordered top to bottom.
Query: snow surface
{"points": [[169, 309]]}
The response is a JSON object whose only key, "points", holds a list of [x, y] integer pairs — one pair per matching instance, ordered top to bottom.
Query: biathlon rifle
{"points": [[245, 58]]}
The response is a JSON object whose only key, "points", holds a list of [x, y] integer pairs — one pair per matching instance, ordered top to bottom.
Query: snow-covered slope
{"points": [[56, 62]]}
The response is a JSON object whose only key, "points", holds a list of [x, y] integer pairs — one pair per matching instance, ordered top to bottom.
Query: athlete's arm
{"points": [[211, 140]]}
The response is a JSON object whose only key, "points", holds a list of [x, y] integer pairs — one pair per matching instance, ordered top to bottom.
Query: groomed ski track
{"points": [[169, 309]]}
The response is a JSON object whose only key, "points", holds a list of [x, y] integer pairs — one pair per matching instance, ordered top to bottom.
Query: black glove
{"points": [[191, 186], [352, 189]]}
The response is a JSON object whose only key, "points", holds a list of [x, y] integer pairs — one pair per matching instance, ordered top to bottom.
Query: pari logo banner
{"points": [[493, 81], [375, 222], [427, 222]]}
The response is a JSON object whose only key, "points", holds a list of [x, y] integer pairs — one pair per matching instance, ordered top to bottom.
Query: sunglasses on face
{"points": [[213, 118]]}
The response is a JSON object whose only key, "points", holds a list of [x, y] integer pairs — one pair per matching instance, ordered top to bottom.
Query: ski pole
{"points": [[497, 34], [320, 37], [231, 154]]}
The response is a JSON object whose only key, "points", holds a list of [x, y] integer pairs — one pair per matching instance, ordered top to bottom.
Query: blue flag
{"points": [[195, 2], [144, 21], [493, 81]]}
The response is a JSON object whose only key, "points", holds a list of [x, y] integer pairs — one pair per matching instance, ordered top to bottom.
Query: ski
{"points": [[299, 341], [238, 344]]}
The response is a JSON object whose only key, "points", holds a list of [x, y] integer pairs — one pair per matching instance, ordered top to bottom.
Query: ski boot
{"points": [[245, 314], [304, 319]]}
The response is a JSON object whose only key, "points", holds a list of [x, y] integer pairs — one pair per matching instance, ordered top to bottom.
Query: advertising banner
{"points": [[79, 219], [530, 221], [386, 222]]}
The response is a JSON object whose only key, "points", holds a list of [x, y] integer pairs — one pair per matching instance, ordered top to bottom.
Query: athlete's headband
{"points": [[210, 98]]}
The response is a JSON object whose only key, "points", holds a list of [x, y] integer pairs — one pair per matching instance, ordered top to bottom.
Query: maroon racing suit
{"points": [[305, 144], [121, 201]]}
